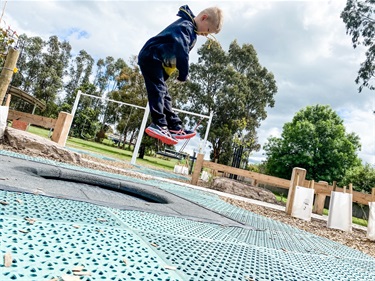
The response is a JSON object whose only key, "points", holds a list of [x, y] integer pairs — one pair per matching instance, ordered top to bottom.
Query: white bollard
{"points": [[3, 119], [177, 169], [185, 170], [205, 176], [303, 203], [340, 211], [371, 221]]}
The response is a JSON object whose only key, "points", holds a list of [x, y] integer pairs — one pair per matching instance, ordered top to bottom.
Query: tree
{"points": [[358, 16], [8, 37], [29, 63], [42, 66], [108, 71], [79, 74], [49, 82], [236, 89], [132, 90], [316, 141], [362, 177]]}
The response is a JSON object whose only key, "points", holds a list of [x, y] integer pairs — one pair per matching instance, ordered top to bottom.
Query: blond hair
{"points": [[215, 17]]}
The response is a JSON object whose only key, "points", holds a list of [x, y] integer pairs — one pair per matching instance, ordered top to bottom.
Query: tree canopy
{"points": [[358, 16], [8, 37], [236, 88], [316, 141], [362, 177]]}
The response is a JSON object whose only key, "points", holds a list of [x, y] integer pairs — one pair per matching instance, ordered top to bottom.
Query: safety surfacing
{"points": [[50, 237]]}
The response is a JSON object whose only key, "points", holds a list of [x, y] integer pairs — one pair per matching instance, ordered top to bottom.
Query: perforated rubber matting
{"points": [[114, 244]]}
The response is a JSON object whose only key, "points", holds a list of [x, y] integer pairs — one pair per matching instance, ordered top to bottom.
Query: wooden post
{"points": [[7, 72], [7, 102], [61, 130], [197, 169], [214, 172], [298, 177], [311, 184], [334, 185], [350, 188], [373, 194], [320, 200]]}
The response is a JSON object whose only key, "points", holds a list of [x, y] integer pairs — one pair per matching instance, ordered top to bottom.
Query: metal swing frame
{"points": [[144, 122]]}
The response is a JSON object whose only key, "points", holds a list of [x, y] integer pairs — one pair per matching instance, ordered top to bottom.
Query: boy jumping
{"points": [[161, 56]]}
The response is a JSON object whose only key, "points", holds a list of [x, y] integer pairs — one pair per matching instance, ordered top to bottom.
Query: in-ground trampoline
{"points": [[62, 222]]}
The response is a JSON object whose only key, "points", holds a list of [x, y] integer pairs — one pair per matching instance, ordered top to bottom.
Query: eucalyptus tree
{"points": [[359, 19], [29, 63], [42, 65], [29, 66], [108, 70], [79, 73], [98, 79], [116, 79], [49, 82], [257, 88], [131, 89], [236, 89], [204, 93], [86, 121]]}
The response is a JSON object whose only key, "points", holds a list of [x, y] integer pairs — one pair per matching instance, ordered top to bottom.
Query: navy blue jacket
{"points": [[173, 44]]}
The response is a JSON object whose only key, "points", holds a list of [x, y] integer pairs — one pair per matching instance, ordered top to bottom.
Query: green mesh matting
{"points": [[68, 233], [51, 249]]}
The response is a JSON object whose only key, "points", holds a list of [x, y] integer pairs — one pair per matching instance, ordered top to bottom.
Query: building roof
{"points": [[27, 97]]}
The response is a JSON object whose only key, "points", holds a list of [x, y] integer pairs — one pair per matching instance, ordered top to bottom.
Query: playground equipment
{"points": [[16, 92], [144, 121], [59, 125]]}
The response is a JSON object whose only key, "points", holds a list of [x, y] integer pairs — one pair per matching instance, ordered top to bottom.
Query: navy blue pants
{"points": [[157, 91]]}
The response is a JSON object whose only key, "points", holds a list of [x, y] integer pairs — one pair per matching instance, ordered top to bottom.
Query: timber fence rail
{"points": [[42, 121], [60, 125], [321, 189]]}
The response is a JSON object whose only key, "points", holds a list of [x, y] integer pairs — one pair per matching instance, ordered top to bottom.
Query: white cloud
{"points": [[361, 121]]}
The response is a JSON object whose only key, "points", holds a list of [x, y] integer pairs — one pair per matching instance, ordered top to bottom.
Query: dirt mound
{"points": [[243, 189]]}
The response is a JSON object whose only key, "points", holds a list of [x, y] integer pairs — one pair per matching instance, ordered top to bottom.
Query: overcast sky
{"points": [[303, 43]]}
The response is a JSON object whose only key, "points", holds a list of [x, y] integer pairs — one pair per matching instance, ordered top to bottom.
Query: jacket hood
{"points": [[185, 13]]}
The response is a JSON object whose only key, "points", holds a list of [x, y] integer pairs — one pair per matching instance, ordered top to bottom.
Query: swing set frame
{"points": [[144, 122]]}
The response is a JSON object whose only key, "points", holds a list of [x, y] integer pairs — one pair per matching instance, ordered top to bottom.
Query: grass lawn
{"points": [[40, 131], [108, 149]]}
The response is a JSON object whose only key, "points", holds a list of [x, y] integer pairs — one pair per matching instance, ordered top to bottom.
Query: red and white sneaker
{"points": [[161, 133], [181, 134]]}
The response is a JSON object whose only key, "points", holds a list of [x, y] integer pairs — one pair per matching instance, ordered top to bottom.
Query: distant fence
{"points": [[60, 125], [321, 189]]}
